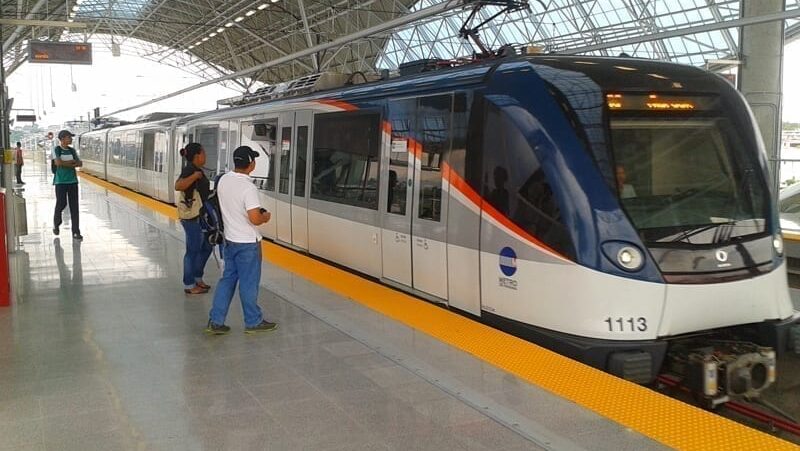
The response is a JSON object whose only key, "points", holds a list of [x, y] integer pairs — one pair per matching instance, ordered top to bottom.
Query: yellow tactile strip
{"points": [[668, 421]]}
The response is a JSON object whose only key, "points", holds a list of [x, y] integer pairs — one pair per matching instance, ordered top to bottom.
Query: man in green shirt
{"points": [[66, 182]]}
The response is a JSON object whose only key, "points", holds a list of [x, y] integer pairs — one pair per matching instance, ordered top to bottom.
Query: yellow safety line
{"points": [[666, 420]]}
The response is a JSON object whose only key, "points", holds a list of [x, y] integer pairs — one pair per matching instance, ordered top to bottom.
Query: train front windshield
{"points": [[688, 178]]}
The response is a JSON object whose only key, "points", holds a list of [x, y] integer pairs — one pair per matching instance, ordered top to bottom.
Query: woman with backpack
{"points": [[194, 190]]}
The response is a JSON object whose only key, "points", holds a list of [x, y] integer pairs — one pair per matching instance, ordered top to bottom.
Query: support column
{"points": [[761, 73]]}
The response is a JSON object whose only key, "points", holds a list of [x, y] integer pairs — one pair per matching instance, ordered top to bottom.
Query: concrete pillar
{"points": [[760, 75]]}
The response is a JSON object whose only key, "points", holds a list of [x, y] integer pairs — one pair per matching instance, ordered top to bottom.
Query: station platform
{"points": [[103, 350]]}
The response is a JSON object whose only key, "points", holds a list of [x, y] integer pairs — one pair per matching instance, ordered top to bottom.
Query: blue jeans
{"points": [[198, 249], [242, 265]]}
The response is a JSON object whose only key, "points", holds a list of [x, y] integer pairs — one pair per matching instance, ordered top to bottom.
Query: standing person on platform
{"points": [[19, 162], [66, 182], [241, 213], [198, 248]]}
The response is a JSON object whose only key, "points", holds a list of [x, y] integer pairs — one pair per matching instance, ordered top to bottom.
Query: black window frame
{"points": [[373, 156]]}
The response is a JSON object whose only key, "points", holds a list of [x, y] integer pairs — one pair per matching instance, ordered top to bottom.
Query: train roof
{"points": [[612, 74]]}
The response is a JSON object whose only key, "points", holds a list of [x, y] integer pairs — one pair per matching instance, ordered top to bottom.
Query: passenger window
{"points": [[403, 115], [434, 131], [208, 137], [261, 137], [286, 148], [148, 151], [345, 159], [300, 162], [516, 186]]}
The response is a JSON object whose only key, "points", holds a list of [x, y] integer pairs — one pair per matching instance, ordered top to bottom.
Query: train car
{"points": [[615, 210]]}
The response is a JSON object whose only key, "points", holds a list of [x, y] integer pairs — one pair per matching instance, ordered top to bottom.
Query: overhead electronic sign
{"points": [[59, 52]]}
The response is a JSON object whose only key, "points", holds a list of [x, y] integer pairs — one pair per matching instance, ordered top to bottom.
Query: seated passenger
{"points": [[625, 190]]}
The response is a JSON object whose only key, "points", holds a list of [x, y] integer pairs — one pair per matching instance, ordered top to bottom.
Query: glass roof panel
{"points": [[558, 25]]}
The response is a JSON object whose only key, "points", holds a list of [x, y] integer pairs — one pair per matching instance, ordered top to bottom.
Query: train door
{"points": [[283, 162], [300, 170], [429, 212], [396, 216]]}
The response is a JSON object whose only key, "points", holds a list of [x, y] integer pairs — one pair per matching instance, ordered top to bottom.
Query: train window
{"points": [[403, 116], [433, 123], [208, 137], [261, 137], [161, 150], [285, 150], [148, 151], [345, 159], [300, 162], [688, 179], [515, 184]]}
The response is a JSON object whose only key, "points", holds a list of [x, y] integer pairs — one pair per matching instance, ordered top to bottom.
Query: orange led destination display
{"points": [[59, 52], [655, 102]]}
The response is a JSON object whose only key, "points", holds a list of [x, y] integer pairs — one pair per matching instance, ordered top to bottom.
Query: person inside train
{"points": [[65, 159], [195, 189], [626, 190], [499, 197], [241, 214]]}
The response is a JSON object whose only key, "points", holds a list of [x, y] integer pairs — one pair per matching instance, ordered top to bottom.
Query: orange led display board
{"points": [[59, 52]]}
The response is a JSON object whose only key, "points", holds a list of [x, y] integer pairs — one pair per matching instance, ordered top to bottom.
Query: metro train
{"points": [[615, 210]]}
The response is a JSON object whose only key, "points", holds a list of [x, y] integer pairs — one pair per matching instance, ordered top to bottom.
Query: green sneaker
{"points": [[265, 326], [216, 329]]}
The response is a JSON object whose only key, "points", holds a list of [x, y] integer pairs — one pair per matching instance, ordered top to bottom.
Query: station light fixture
{"points": [[274, 1], [262, 6], [75, 7], [250, 13], [238, 19], [70, 20], [229, 24], [220, 30], [212, 34], [204, 39], [198, 42], [191, 47]]}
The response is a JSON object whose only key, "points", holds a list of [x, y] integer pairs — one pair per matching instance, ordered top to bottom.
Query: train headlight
{"points": [[777, 244], [630, 258]]}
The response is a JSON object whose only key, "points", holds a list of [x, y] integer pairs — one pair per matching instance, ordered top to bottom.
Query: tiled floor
{"points": [[102, 350]]}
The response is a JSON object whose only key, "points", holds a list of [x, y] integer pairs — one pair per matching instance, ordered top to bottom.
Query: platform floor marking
{"points": [[666, 420]]}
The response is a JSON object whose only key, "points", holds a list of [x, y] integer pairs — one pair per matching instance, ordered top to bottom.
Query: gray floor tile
{"points": [[106, 352]]}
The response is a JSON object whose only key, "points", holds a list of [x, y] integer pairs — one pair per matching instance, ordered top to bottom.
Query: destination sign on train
{"points": [[60, 52], [656, 102]]}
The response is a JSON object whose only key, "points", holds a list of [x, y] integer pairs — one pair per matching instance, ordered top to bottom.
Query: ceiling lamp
{"points": [[262, 6], [250, 13], [238, 19], [229, 24], [220, 30], [211, 35], [204, 39]]}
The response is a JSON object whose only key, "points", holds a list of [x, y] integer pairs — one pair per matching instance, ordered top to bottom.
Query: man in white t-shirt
{"points": [[241, 213]]}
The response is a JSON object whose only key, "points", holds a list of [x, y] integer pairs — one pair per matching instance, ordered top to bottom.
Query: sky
{"points": [[112, 83]]}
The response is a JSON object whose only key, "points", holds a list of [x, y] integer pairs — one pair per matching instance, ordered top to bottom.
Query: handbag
{"points": [[189, 208]]}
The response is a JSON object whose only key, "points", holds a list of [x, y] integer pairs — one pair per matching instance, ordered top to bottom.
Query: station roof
{"points": [[213, 38]]}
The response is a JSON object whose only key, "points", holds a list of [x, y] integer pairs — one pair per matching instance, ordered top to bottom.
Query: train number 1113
{"points": [[630, 324]]}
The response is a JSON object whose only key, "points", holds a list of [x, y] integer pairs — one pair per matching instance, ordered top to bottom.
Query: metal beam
{"points": [[42, 23], [394, 23], [684, 31], [308, 32], [7, 43]]}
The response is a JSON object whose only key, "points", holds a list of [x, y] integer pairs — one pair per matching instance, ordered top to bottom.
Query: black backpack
{"points": [[211, 217]]}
